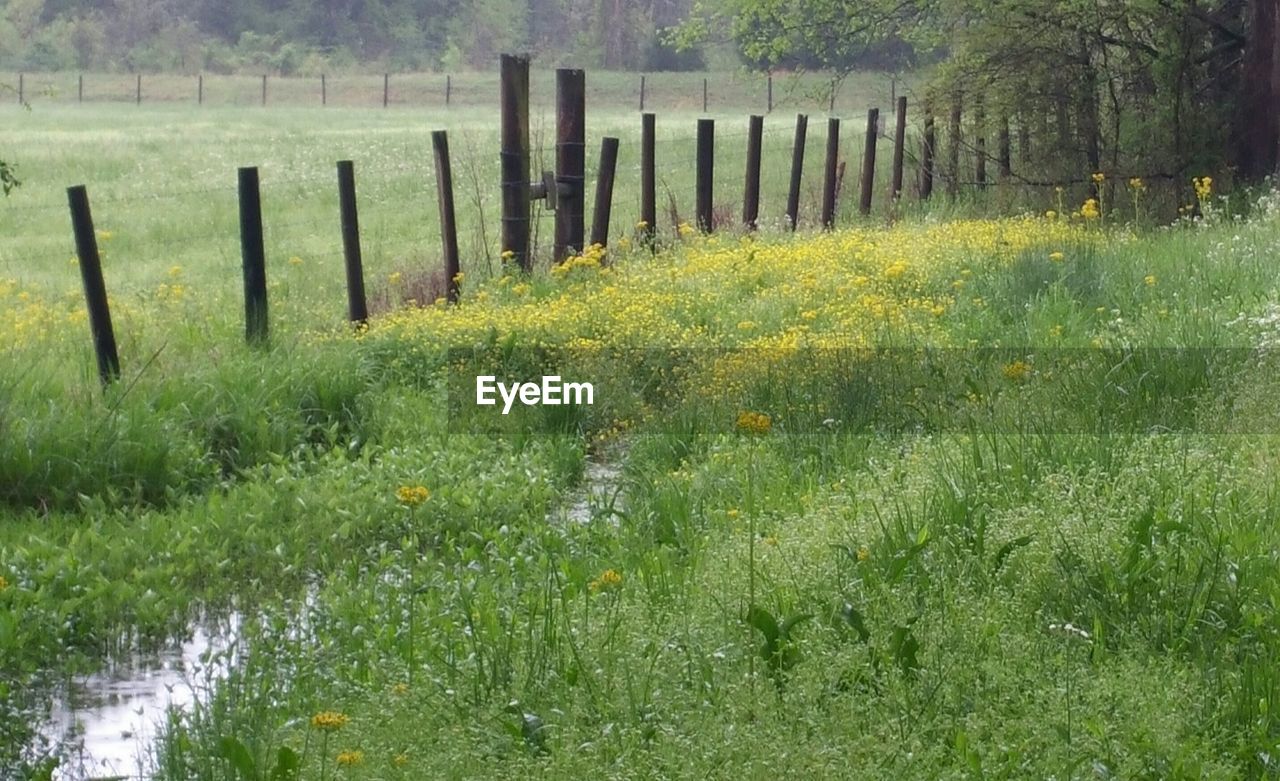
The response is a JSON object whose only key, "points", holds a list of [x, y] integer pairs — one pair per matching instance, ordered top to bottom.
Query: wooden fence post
{"points": [[80, 89], [264, 89], [386, 89], [448, 89], [200, 90], [138, 91], [324, 91], [642, 92], [704, 95], [769, 101], [899, 146], [953, 152], [927, 155], [515, 160], [571, 161], [869, 161], [797, 171], [648, 178], [829, 182], [705, 183], [751, 189], [604, 191], [448, 218], [253, 257], [95, 290], [357, 306]]}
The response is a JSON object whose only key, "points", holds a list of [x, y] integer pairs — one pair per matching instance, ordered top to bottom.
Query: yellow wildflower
{"points": [[1099, 177], [1089, 210], [1057, 257], [1150, 280], [1017, 371], [754, 422], [412, 495], [864, 553], [609, 579], [329, 721], [349, 758]]}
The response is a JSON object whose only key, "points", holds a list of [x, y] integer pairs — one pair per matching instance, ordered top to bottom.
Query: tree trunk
{"points": [[1257, 128]]}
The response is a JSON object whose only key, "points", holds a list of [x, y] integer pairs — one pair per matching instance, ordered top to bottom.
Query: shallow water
{"points": [[104, 724]]}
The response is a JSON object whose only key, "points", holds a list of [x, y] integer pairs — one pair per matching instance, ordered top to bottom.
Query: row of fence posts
{"points": [[324, 89], [563, 191], [253, 254]]}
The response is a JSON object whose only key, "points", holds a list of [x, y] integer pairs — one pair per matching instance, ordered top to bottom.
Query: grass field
{"points": [[952, 495]]}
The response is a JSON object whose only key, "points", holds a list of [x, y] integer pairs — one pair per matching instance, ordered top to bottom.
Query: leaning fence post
{"points": [[514, 90], [899, 146], [926, 156], [571, 160], [869, 161], [797, 171], [648, 179], [829, 182], [704, 184], [751, 188], [604, 192], [448, 218], [253, 257], [95, 290], [357, 307]]}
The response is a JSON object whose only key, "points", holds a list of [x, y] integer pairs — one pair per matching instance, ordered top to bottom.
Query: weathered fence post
{"points": [[80, 89], [264, 89], [386, 89], [448, 89], [200, 90], [138, 91], [324, 91], [642, 92], [704, 95], [769, 100], [899, 146], [953, 152], [927, 155], [1006, 158], [515, 159], [571, 160], [869, 161], [797, 171], [648, 178], [829, 181], [704, 186], [751, 189], [604, 191], [448, 218], [253, 257], [95, 290], [357, 307]]}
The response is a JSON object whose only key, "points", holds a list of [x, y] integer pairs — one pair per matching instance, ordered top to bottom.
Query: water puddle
{"points": [[599, 495], [104, 725]]}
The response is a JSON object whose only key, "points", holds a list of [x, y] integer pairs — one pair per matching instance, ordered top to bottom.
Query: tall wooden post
{"points": [[514, 90], [899, 145], [927, 154], [571, 160], [869, 161], [797, 171], [648, 178], [829, 181], [705, 182], [751, 187], [604, 191], [448, 218], [253, 257], [95, 290], [357, 306]]}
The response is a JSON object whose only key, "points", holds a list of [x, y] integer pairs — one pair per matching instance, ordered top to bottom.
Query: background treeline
{"points": [[307, 36]]}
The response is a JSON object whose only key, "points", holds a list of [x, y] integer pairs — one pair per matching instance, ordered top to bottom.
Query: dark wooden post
{"points": [[80, 89], [264, 89], [386, 89], [448, 89], [200, 90], [138, 91], [324, 91], [642, 92], [704, 95], [769, 99], [899, 146], [953, 152], [927, 156], [1006, 158], [515, 159], [571, 160], [869, 161], [797, 171], [648, 178], [829, 181], [705, 182], [751, 188], [604, 191], [448, 218], [253, 257], [95, 290], [357, 307]]}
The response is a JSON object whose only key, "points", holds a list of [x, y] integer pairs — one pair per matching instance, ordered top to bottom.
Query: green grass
{"points": [[882, 596]]}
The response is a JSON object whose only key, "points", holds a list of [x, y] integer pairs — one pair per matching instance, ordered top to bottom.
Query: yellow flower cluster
{"points": [[1203, 186], [1090, 210], [591, 258], [1017, 371], [754, 422], [412, 495], [609, 579], [329, 721], [349, 758]]}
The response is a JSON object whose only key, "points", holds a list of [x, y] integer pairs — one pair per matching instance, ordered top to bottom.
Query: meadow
{"points": [[967, 491]]}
